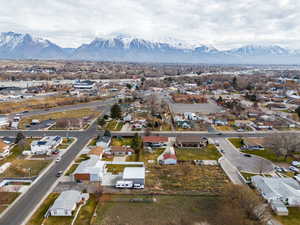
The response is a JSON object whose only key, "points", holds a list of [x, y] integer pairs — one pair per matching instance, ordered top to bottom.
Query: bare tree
{"points": [[283, 144], [241, 206]]}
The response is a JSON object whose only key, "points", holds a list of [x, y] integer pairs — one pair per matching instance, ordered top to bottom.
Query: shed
{"points": [[134, 174]]}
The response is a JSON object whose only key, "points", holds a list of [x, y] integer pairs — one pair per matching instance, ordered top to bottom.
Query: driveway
{"points": [[253, 164]]}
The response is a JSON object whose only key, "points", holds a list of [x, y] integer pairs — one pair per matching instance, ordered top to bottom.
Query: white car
{"points": [[296, 163], [294, 169], [124, 184], [138, 186]]}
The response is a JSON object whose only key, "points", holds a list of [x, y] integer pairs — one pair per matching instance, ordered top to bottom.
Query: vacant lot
{"points": [[42, 103], [78, 113], [208, 153], [25, 168], [185, 178], [6, 198], [165, 211]]}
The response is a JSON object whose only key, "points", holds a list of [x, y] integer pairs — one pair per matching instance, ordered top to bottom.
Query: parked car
{"points": [[247, 155], [296, 163], [279, 169], [294, 169], [124, 184], [138, 186]]}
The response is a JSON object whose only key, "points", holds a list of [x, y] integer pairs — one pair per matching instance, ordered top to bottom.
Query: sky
{"points": [[223, 23]]}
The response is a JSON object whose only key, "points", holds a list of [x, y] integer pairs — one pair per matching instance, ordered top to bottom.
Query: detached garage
{"points": [[90, 170], [134, 174]]}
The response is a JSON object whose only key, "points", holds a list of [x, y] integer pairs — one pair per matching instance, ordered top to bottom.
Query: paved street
{"points": [[253, 164], [18, 213]]}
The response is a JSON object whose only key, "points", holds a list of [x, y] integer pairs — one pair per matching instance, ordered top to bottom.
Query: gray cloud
{"points": [[223, 23]]}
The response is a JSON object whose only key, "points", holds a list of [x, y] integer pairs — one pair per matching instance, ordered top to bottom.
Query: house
{"points": [[85, 84], [127, 118], [4, 121], [70, 123], [103, 141], [155, 141], [191, 141], [253, 144], [46, 145], [4, 149], [120, 150], [97, 151], [168, 159], [90, 170], [134, 174], [275, 189], [67, 202], [279, 208]]}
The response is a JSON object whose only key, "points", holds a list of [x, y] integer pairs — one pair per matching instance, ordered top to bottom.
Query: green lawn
{"points": [[114, 125], [121, 141], [237, 142], [208, 153], [268, 154], [81, 158], [71, 169], [248, 176], [86, 212], [38, 216], [292, 219]]}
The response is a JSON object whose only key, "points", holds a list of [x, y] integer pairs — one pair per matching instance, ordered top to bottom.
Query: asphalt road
{"points": [[253, 164], [18, 213]]}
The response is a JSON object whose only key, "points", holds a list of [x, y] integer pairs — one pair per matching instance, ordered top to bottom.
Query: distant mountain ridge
{"points": [[125, 48]]}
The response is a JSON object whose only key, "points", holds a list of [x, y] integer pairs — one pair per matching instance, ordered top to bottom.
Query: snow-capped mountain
{"points": [[15, 45], [127, 48], [259, 50]]}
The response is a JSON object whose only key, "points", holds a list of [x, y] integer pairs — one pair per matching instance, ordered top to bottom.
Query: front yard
{"points": [[207, 153]]}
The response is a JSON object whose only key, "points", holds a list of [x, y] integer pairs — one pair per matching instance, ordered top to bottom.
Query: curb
{"points": [[36, 180]]}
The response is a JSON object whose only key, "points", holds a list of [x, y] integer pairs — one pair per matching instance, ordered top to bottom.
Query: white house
{"points": [[4, 121], [46, 145], [90, 170], [134, 174], [66, 203]]}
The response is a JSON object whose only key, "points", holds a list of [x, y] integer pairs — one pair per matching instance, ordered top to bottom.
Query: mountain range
{"points": [[125, 48]]}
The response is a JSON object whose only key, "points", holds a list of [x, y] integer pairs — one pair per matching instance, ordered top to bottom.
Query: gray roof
{"points": [[91, 166], [134, 173], [277, 187], [66, 200]]}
